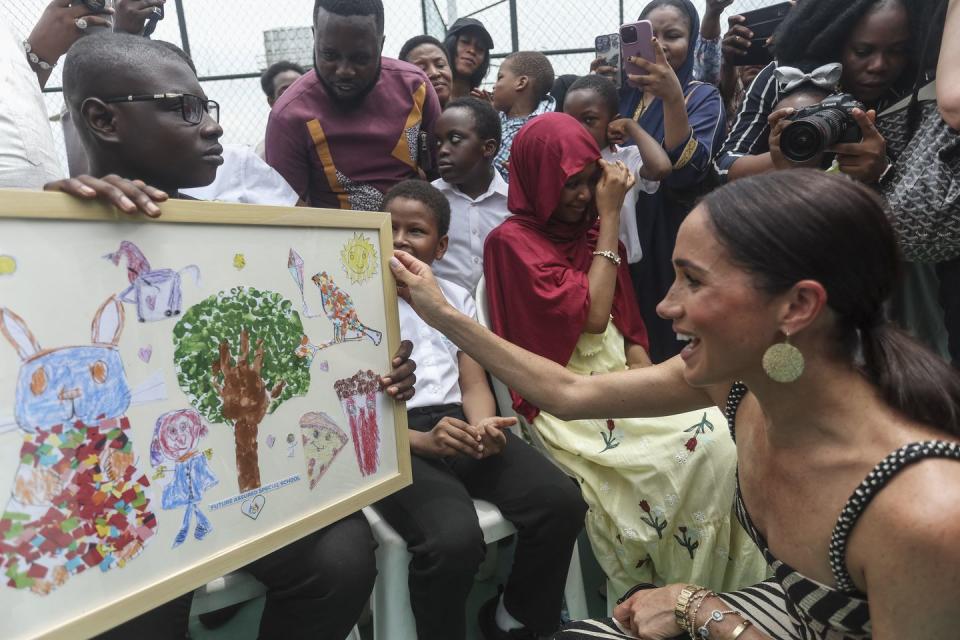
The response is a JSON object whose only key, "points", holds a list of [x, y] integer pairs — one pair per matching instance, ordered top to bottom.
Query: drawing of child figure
{"points": [[176, 437]]}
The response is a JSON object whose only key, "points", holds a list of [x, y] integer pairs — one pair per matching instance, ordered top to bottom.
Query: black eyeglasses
{"points": [[192, 107]]}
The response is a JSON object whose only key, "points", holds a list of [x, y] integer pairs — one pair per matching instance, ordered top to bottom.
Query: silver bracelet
{"points": [[34, 59], [609, 255], [715, 616]]}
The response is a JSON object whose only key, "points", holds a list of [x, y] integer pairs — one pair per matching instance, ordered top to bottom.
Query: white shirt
{"points": [[28, 157], [244, 177], [471, 221], [629, 236], [438, 370]]}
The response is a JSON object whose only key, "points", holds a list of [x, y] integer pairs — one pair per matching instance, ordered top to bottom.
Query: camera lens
{"points": [[629, 35], [806, 137], [801, 141]]}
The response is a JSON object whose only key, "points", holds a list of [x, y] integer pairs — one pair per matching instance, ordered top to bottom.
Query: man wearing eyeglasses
{"points": [[345, 133]]}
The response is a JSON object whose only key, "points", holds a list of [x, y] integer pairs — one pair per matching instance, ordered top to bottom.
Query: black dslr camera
{"points": [[818, 127]]}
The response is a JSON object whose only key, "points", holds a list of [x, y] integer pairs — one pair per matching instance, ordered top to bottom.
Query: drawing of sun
{"points": [[359, 258], [8, 265]]}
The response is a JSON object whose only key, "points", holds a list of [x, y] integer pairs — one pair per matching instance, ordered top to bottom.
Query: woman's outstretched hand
{"points": [[416, 285]]}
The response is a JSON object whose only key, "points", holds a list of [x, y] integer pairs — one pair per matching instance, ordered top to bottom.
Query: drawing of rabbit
{"points": [[176, 436], [78, 501]]}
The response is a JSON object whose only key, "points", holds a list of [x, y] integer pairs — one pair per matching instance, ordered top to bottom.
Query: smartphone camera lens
{"points": [[629, 35]]}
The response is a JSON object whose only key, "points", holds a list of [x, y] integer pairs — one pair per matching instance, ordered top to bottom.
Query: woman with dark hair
{"points": [[878, 42], [468, 45], [428, 53], [686, 117], [847, 430]]}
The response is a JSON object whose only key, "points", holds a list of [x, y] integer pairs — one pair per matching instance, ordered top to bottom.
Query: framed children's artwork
{"points": [[181, 396]]}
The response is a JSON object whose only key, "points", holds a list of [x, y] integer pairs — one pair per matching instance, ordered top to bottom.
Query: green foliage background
{"points": [[265, 315]]}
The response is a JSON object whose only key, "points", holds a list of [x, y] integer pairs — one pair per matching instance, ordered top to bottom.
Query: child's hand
{"points": [[600, 67], [660, 80], [482, 94], [618, 131], [612, 188], [130, 196], [399, 382], [492, 437], [448, 438]]}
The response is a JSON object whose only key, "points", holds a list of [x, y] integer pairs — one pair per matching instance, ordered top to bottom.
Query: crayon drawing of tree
{"points": [[228, 382]]}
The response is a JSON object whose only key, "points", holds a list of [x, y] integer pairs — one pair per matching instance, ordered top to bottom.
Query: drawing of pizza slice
{"points": [[322, 441]]}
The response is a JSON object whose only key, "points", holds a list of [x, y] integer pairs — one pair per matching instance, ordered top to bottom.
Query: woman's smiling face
{"points": [[715, 303]]}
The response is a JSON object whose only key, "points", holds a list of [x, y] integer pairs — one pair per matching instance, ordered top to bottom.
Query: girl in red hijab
{"points": [[552, 272], [660, 490]]}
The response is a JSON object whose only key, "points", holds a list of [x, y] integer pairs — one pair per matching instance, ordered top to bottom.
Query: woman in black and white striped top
{"points": [[876, 41], [781, 282]]}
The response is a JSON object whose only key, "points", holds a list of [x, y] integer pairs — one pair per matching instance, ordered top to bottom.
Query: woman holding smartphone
{"points": [[686, 116]]}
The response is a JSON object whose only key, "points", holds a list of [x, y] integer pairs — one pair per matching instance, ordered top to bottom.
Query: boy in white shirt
{"points": [[594, 102], [468, 135], [461, 451]]}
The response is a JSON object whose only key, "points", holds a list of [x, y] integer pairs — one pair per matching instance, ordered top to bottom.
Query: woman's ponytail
{"points": [[911, 378]]}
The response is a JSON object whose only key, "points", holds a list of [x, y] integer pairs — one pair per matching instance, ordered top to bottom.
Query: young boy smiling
{"points": [[468, 135], [461, 451]]}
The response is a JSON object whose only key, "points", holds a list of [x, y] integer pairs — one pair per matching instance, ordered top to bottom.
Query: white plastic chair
{"points": [[232, 589], [392, 613]]}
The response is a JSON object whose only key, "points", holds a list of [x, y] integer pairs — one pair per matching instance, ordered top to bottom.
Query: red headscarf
{"points": [[536, 266]]}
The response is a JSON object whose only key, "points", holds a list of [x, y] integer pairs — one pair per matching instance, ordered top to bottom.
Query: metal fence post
{"points": [[182, 20], [514, 28]]}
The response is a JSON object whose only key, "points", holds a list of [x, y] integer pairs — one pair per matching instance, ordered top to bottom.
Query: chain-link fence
{"points": [[232, 42]]}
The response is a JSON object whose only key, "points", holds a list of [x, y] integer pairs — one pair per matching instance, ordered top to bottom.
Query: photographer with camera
{"points": [[872, 40]]}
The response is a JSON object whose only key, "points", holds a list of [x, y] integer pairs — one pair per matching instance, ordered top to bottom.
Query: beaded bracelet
{"points": [[36, 60], [609, 255], [695, 610], [715, 616]]}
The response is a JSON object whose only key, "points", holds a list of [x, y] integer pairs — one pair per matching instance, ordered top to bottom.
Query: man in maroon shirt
{"points": [[347, 132]]}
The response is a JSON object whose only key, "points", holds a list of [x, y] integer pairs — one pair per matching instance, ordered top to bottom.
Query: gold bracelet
{"points": [[609, 255], [683, 604], [694, 610], [743, 626]]}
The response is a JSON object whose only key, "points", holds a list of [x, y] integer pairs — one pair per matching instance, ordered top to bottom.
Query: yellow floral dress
{"points": [[660, 490]]}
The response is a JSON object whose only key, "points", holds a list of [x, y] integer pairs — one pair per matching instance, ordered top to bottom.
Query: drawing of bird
{"points": [[339, 308]]}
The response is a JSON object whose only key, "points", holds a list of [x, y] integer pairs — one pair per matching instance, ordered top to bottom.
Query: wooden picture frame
{"points": [[84, 468]]}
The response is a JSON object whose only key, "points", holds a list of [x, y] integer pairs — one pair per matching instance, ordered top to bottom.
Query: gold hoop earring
{"points": [[783, 362]]}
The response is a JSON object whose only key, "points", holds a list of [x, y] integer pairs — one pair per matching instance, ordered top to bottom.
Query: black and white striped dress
{"points": [[790, 606]]}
